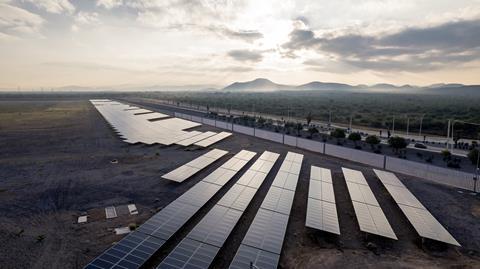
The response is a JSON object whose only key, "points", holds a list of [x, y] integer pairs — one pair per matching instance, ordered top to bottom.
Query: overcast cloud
{"points": [[176, 42]]}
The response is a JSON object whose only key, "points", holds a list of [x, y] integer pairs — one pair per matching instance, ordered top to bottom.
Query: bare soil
{"points": [[55, 166]]}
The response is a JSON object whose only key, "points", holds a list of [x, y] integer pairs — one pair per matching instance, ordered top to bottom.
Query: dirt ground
{"points": [[55, 166]]}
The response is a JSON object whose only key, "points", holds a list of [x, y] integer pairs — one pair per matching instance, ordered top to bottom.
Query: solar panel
{"points": [[134, 125], [194, 139], [213, 139], [189, 169], [252, 178], [285, 180], [238, 197], [278, 200], [321, 207], [322, 215], [370, 216], [171, 218], [422, 220], [216, 226], [267, 231], [263, 242], [131, 252], [190, 254], [247, 256]]}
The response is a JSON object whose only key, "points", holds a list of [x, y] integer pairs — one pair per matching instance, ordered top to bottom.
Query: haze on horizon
{"points": [[99, 43]]}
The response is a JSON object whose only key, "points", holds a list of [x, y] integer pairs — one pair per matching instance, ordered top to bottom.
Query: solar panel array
{"points": [[136, 125], [213, 139], [191, 140], [191, 168], [321, 207], [370, 216], [422, 220], [263, 242], [201, 245], [135, 249]]}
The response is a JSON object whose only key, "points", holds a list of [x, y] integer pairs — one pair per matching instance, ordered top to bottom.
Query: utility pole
{"points": [[330, 117], [421, 122], [408, 123], [350, 125], [393, 125], [448, 134], [476, 172]]}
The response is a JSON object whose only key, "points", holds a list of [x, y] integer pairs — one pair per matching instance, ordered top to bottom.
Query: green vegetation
{"points": [[367, 109], [339, 134], [355, 137], [373, 140], [397, 143], [473, 156], [132, 226]]}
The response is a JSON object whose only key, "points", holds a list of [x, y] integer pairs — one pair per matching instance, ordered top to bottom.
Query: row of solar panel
{"points": [[134, 125], [321, 206], [322, 213], [263, 242], [201, 245], [262, 245], [130, 253]]}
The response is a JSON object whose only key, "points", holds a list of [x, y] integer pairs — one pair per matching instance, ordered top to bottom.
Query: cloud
{"points": [[109, 4], [53, 6], [85, 19], [18, 22], [245, 35], [410, 49], [246, 55]]}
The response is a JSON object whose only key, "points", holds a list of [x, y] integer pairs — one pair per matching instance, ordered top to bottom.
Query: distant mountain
{"points": [[259, 84], [263, 85], [317, 85], [443, 85]]}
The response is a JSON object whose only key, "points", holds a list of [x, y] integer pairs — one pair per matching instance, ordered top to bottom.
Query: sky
{"points": [[212, 43]]}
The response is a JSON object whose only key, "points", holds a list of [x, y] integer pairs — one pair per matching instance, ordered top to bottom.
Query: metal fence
{"points": [[433, 173]]}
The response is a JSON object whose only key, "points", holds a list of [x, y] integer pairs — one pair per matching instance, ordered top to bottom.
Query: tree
{"points": [[309, 118], [312, 131], [338, 134], [355, 137], [372, 140], [397, 143], [447, 155], [473, 156]]}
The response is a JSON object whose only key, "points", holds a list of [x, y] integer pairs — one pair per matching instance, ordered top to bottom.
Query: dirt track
{"points": [[55, 164]]}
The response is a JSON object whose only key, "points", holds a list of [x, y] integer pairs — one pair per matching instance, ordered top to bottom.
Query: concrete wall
{"points": [[272, 136], [372, 159]]}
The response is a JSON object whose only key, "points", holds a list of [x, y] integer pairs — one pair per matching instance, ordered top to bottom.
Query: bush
{"points": [[354, 137], [397, 143], [447, 155], [473, 156], [132, 226]]}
